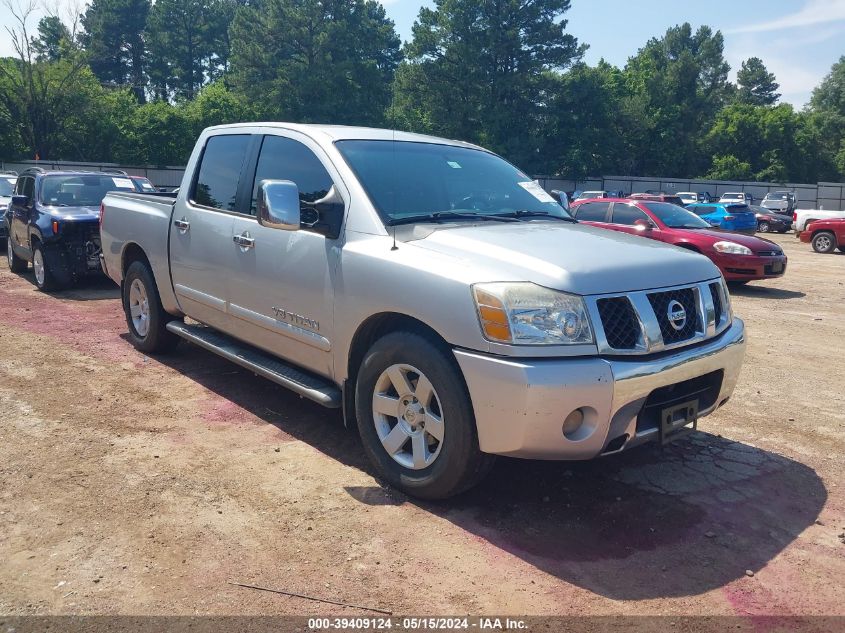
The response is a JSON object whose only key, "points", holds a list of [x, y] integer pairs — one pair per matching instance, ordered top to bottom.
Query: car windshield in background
{"points": [[408, 182], [143, 184], [7, 187], [81, 190], [775, 196], [676, 217]]}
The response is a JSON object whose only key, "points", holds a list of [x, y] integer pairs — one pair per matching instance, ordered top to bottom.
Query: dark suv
{"points": [[53, 222]]}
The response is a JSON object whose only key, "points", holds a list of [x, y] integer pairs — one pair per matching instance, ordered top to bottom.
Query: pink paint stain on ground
{"points": [[90, 327]]}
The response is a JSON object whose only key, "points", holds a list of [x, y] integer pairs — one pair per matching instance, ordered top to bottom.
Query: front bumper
{"points": [[751, 267], [520, 405]]}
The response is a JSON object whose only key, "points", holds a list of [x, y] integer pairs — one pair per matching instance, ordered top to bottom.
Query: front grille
{"points": [[769, 253], [769, 269], [715, 292], [660, 303], [620, 322], [704, 388]]}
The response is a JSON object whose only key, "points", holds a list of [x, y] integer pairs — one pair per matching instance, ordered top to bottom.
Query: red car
{"points": [[825, 235], [741, 258]]}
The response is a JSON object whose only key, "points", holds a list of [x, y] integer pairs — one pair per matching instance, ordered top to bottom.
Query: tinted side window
{"points": [[285, 159], [220, 170], [27, 186], [703, 209], [593, 211], [627, 214]]}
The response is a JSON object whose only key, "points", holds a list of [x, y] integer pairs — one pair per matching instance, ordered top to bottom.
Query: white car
{"points": [[584, 195], [734, 196], [690, 197], [779, 201], [802, 217]]}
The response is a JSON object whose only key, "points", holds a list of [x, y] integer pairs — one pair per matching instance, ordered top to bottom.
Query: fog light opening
{"points": [[572, 424]]}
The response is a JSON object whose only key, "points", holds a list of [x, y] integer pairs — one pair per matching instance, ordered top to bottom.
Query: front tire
{"points": [[763, 227], [824, 242], [16, 264], [45, 278], [146, 319], [415, 417]]}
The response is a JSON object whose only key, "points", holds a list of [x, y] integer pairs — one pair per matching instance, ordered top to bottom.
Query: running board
{"points": [[304, 383]]}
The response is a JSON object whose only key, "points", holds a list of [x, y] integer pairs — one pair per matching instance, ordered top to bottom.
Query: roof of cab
{"points": [[348, 132]]}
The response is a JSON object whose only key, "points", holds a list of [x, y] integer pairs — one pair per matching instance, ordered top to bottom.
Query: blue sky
{"points": [[798, 40]]}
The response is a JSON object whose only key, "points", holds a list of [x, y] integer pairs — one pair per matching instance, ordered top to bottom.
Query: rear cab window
{"points": [[216, 184]]}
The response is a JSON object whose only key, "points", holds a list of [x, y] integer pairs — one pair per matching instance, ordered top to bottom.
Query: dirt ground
{"points": [[136, 485]]}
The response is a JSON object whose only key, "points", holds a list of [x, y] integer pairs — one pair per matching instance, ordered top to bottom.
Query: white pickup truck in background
{"points": [[802, 217]]}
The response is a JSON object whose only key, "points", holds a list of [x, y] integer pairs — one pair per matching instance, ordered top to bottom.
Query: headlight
{"points": [[732, 248], [728, 308], [527, 314]]}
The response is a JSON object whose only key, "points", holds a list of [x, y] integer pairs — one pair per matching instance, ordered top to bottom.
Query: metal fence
{"points": [[158, 175], [823, 195]]}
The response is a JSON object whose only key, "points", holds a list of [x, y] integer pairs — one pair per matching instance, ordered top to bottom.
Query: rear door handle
{"points": [[183, 225], [244, 240]]}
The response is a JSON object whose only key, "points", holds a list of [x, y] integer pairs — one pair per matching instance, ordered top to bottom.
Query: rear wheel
{"points": [[763, 226], [824, 242], [16, 264], [146, 319], [415, 417]]}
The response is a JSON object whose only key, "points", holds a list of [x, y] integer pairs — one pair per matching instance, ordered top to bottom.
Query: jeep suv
{"points": [[53, 222]]}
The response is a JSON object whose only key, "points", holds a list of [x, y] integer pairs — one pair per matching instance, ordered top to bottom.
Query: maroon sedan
{"points": [[741, 258]]}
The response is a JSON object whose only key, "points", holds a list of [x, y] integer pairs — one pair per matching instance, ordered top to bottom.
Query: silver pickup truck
{"points": [[445, 301]]}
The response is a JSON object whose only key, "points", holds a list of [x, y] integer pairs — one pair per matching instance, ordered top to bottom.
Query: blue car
{"points": [[727, 216], [53, 222]]}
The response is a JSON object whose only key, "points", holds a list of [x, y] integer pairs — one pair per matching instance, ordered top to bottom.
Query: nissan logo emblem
{"points": [[677, 315]]}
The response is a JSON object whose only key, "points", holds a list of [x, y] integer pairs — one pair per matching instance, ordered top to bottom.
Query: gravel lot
{"points": [[139, 485]]}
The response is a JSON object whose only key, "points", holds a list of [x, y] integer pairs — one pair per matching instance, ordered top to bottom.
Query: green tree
{"points": [[54, 39], [114, 40], [180, 42], [315, 60], [478, 69], [755, 84], [677, 85], [45, 100], [827, 117], [585, 132], [729, 168]]}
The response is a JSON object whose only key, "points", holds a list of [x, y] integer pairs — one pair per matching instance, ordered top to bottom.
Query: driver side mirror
{"points": [[278, 205], [643, 225]]}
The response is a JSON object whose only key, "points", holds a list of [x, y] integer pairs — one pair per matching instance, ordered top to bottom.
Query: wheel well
{"points": [[832, 234], [133, 253], [377, 326], [368, 333]]}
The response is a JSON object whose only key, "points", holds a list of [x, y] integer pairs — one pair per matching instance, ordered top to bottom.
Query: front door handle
{"points": [[183, 225], [244, 240]]}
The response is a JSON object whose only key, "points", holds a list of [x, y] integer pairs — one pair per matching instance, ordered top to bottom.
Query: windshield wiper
{"points": [[524, 213], [437, 216]]}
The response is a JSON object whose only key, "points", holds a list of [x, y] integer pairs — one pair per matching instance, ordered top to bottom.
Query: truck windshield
{"points": [[417, 182], [6, 187], [81, 190], [675, 217]]}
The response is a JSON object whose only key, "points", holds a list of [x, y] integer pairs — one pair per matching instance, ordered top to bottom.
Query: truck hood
{"points": [[74, 213], [569, 257]]}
